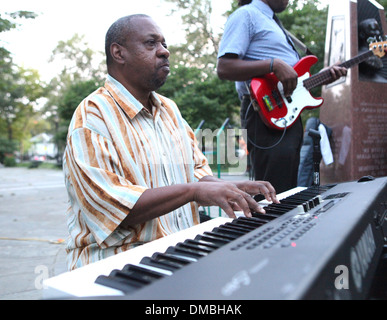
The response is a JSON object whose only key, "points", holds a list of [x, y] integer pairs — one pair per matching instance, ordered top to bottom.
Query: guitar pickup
{"points": [[277, 97], [267, 102]]}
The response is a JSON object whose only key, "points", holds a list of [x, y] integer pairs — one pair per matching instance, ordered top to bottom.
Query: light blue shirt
{"points": [[252, 34]]}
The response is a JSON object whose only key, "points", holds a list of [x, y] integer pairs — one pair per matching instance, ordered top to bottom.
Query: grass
{"points": [[39, 164]]}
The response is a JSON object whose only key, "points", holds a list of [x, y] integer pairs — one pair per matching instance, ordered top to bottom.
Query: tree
{"points": [[383, 3], [303, 18], [307, 20], [201, 46], [82, 72], [193, 82], [20, 89], [201, 96], [71, 98]]}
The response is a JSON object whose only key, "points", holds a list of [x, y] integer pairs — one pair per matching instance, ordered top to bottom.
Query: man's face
{"points": [[277, 5], [146, 56]]}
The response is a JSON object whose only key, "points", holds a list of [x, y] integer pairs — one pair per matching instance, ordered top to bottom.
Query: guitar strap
{"points": [[293, 41], [300, 45]]}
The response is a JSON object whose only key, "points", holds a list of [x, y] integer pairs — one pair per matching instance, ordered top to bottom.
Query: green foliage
{"points": [[383, 3], [9, 22], [307, 22], [201, 46], [78, 60], [83, 70], [192, 84], [20, 89], [74, 94], [201, 96], [72, 97], [7, 148], [9, 161]]}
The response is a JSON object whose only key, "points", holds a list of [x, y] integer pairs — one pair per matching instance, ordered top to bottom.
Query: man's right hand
{"points": [[286, 75]]}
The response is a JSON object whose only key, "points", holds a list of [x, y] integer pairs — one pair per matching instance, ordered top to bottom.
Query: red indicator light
{"points": [[293, 244]]}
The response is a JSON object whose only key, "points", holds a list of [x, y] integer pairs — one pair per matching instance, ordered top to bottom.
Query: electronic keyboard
{"points": [[323, 242]]}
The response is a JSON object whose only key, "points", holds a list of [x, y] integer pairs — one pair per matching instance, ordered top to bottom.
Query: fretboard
{"points": [[320, 78]]}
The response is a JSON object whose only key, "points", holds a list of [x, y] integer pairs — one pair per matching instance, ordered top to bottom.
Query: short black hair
{"points": [[243, 2], [118, 33]]}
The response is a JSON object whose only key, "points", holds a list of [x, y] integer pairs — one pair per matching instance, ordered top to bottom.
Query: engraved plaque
{"points": [[355, 107]]}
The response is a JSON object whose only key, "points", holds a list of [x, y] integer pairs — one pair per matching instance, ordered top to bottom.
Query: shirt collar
{"points": [[263, 7], [129, 104]]}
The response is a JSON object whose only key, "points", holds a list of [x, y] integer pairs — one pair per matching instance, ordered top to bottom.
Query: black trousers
{"points": [[278, 165]]}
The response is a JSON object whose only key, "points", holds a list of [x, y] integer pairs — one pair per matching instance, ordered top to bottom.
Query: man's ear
{"points": [[116, 52]]}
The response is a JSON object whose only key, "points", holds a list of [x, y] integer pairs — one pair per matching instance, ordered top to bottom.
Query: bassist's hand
{"points": [[336, 73], [286, 75]]}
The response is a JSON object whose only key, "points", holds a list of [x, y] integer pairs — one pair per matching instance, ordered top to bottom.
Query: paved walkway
{"points": [[33, 203], [32, 224]]}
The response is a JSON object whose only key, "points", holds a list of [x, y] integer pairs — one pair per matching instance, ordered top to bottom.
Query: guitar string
{"points": [[319, 79], [314, 80]]}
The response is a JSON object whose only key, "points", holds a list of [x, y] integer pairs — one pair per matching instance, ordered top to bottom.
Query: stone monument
{"points": [[355, 106]]}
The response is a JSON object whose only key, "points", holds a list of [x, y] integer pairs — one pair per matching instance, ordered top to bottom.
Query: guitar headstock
{"points": [[378, 45]]}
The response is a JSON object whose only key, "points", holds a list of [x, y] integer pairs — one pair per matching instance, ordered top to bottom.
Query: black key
{"points": [[304, 197], [293, 201], [304, 204], [283, 206], [277, 210], [264, 216], [257, 219], [254, 222], [246, 223], [237, 227], [233, 228], [224, 230], [220, 235], [219, 241], [207, 244], [201, 250], [184, 252], [180, 261], [165, 265], [138, 273], [128, 279], [118, 283]]}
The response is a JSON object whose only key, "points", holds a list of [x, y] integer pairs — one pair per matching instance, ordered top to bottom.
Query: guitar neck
{"points": [[320, 78]]}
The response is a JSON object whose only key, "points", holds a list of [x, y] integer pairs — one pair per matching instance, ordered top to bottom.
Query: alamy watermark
{"points": [[224, 147], [43, 273], [342, 280]]}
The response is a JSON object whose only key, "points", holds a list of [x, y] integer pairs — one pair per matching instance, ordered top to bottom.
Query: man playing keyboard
{"points": [[133, 169]]}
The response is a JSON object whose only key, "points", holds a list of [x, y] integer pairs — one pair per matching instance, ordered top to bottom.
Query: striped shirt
{"points": [[116, 149]]}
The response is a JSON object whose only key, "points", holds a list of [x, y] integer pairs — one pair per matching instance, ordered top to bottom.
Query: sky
{"points": [[32, 43]]}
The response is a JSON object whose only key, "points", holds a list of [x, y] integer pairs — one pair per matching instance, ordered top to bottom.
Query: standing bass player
{"points": [[254, 44]]}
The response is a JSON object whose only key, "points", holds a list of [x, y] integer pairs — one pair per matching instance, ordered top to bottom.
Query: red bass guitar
{"points": [[278, 112]]}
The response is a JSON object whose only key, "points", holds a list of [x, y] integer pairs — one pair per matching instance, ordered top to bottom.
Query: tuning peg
{"points": [[371, 40]]}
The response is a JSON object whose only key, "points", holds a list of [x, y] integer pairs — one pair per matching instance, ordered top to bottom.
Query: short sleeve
{"points": [[236, 36]]}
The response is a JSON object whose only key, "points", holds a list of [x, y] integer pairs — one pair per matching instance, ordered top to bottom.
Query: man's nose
{"points": [[163, 51]]}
